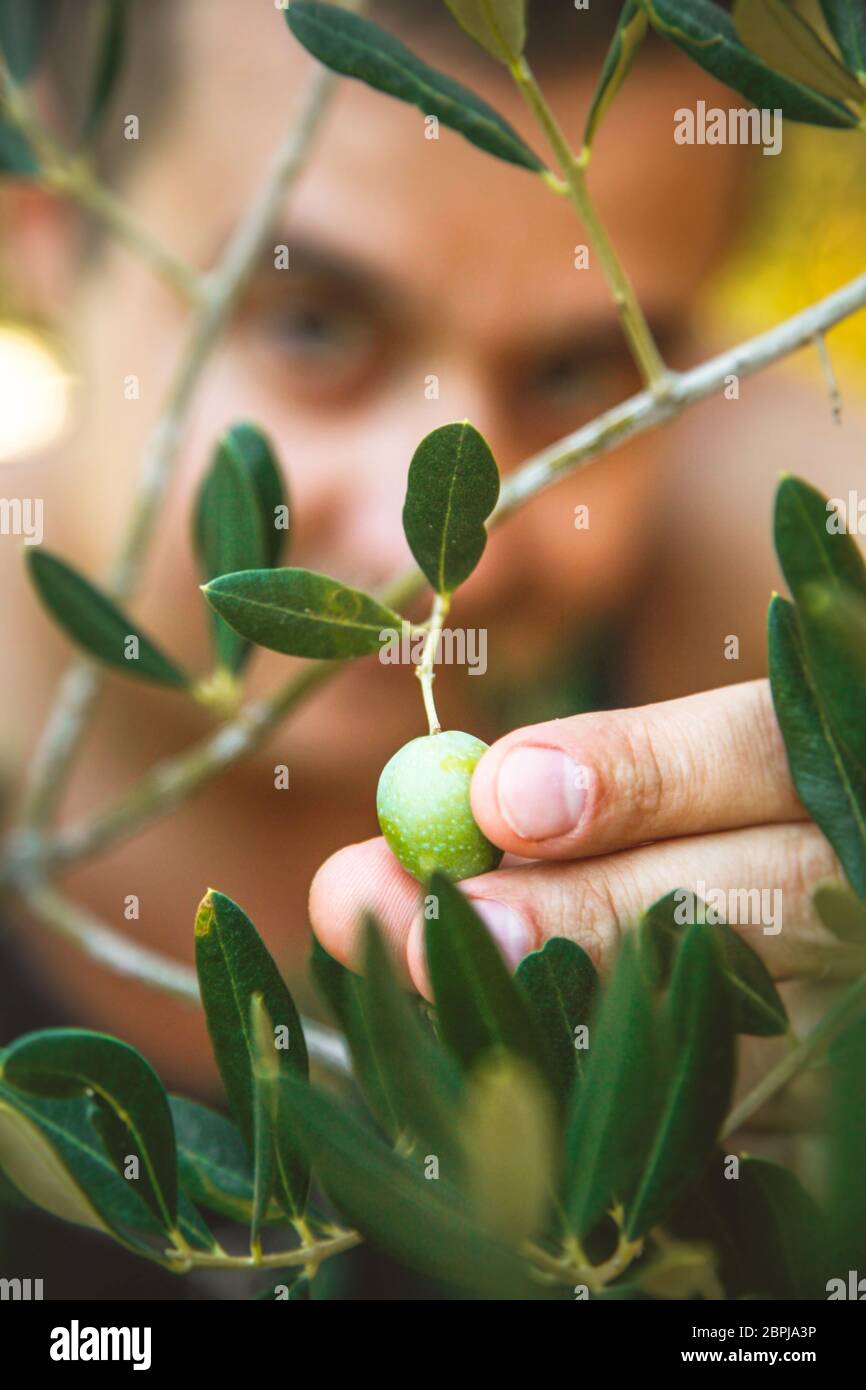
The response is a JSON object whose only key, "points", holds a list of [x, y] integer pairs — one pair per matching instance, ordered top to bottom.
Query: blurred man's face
{"points": [[410, 259]]}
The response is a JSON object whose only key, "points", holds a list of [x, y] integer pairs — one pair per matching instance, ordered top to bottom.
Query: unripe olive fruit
{"points": [[424, 810]]}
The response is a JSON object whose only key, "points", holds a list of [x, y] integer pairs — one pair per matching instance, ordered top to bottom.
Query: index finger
{"points": [[595, 783]]}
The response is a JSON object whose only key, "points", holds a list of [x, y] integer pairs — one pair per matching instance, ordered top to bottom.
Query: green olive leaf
{"points": [[846, 20], [499, 26], [25, 27], [708, 35], [787, 44], [624, 46], [111, 47], [356, 47], [16, 156], [452, 489], [240, 501], [812, 545], [300, 613], [92, 620], [817, 668], [831, 785], [233, 965], [560, 984], [479, 1005], [757, 1006], [63, 1062], [697, 1078], [422, 1082], [614, 1107], [266, 1109], [846, 1128], [509, 1133], [214, 1164], [41, 1171], [426, 1225]]}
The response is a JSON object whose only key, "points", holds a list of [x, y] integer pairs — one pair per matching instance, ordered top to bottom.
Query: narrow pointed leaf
{"points": [[846, 20], [499, 26], [25, 27], [707, 34], [787, 44], [624, 46], [358, 48], [109, 62], [16, 156], [253, 452], [453, 487], [229, 536], [811, 545], [300, 613], [94, 622], [833, 627], [831, 786], [233, 963], [560, 984], [349, 1001], [479, 1006], [757, 1006], [698, 1039], [62, 1062], [266, 1072], [423, 1083], [611, 1121], [509, 1128], [67, 1142], [847, 1156], [214, 1163], [42, 1171], [423, 1224], [779, 1231]]}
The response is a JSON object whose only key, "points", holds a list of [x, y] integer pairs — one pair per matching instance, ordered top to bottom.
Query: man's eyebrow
{"points": [[319, 261], [600, 337]]}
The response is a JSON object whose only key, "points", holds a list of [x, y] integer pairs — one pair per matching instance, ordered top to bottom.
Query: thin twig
{"points": [[71, 176], [637, 331], [829, 377], [82, 683], [107, 948], [804, 1055], [310, 1256]]}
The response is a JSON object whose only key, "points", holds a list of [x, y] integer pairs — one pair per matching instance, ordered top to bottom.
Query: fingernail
{"points": [[541, 792], [507, 928]]}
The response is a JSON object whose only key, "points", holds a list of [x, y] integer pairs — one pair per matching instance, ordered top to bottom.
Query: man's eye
{"points": [[318, 332], [570, 379]]}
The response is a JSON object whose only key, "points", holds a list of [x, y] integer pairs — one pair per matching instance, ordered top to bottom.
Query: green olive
{"points": [[424, 809]]}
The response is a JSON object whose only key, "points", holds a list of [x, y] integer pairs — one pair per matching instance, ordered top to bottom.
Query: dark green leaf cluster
{"points": [[240, 521], [506, 1143]]}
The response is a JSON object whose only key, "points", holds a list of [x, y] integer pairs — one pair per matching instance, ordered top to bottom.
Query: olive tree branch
{"points": [[573, 168], [72, 176], [83, 680], [174, 780], [170, 782], [117, 953], [805, 1054], [310, 1256]]}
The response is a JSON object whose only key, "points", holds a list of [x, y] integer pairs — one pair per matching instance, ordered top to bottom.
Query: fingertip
{"points": [[353, 882], [417, 959]]}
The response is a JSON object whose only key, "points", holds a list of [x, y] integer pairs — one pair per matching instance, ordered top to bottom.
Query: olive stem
{"points": [[573, 185], [424, 671]]}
